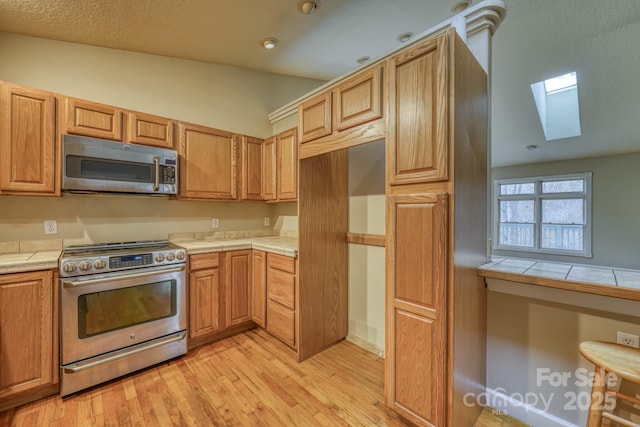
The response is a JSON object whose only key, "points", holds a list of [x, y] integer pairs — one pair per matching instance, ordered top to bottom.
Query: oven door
{"points": [[107, 312]]}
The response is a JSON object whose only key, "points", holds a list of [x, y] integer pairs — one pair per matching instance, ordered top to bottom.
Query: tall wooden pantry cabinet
{"points": [[436, 232]]}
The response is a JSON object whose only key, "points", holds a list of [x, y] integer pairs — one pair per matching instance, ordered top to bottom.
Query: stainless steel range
{"points": [[123, 308]]}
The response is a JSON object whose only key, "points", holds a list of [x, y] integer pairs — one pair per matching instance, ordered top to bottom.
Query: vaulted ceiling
{"points": [[539, 39]]}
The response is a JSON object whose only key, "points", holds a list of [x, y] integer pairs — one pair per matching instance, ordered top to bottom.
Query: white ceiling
{"points": [[538, 39], [322, 45]]}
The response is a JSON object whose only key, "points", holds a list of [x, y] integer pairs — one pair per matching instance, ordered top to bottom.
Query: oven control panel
{"points": [[83, 265]]}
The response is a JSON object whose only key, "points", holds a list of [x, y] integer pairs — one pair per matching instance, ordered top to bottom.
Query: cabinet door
{"points": [[357, 100], [418, 114], [314, 117], [93, 119], [150, 130], [27, 140], [208, 160], [270, 165], [288, 165], [252, 166], [259, 288], [238, 290], [206, 314], [28, 332], [416, 351]]}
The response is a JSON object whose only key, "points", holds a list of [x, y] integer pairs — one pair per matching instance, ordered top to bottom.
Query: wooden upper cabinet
{"points": [[358, 100], [418, 113], [314, 116], [93, 119], [150, 130], [27, 141], [208, 162], [287, 165], [252, 168], [269, 177], [238, 287], [29, 356], [416, 367]]}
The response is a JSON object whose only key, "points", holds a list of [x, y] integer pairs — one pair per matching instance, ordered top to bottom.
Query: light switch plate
{"points": [[266, 221], [215, 223]]}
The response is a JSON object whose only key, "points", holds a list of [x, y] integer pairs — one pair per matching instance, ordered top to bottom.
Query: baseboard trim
{"points": [[367, 345], [522, 411]]}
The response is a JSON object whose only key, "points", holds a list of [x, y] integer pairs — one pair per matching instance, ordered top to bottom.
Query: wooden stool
{"points": [[619, 359]]}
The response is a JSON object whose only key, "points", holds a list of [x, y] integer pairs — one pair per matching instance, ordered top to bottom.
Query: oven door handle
{"points": [[86, 282], [81, 366]]}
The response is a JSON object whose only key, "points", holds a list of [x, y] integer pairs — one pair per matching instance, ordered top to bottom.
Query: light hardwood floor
{"points": [[250, 379]]}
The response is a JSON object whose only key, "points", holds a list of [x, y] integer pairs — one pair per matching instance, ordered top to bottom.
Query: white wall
{"points": [[224, 97], [615, 206], [105, 218], [367, 263], [531, 328], [532, 339]]}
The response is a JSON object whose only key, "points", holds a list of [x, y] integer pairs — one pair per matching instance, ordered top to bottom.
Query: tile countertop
{"points": [[287, 246], [17, 257], [613, 282]]}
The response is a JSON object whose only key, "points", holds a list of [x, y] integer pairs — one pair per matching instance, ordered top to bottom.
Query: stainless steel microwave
{"points": [[96, 165]]}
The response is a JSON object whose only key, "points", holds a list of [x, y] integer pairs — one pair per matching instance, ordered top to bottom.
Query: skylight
{"points": [[566, 81], [557, 103]]}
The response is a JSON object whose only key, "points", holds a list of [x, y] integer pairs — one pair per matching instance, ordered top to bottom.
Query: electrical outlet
{"points": [[266, 221], [215, 223], [51, 226], [628, 339]]}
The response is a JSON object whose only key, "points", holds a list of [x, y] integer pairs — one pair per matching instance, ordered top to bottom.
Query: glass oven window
{"points": [[90, 168], [106, 311]]}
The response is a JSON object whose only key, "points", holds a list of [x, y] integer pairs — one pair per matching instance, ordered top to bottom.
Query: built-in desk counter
{"points": [[611, 282]]}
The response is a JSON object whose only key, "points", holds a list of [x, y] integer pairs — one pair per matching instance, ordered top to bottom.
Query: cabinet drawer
{"points": [[200, 261], [280, 262], [281, 288], [281, 322]]}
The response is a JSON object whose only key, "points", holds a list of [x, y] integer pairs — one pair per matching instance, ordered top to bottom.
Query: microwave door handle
{"points": [[156, 178]]}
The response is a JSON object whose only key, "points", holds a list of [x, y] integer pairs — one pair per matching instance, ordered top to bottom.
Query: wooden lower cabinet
{"points": [[238, 286], [259, 288], [220, 292], [206, 296], [281, 298], [416, 307], [28, 337]]}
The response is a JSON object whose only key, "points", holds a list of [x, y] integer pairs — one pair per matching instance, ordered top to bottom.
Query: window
{"points": [[550, 214]]}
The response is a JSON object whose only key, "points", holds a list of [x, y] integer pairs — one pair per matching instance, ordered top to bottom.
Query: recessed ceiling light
{"points": [[307, 6], [460, 6], [405, 37], [269, 42], [363, 60], [531, 147]]}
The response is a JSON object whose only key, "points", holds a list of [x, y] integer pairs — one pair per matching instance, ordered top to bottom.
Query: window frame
{"points": [[538, 196]]}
